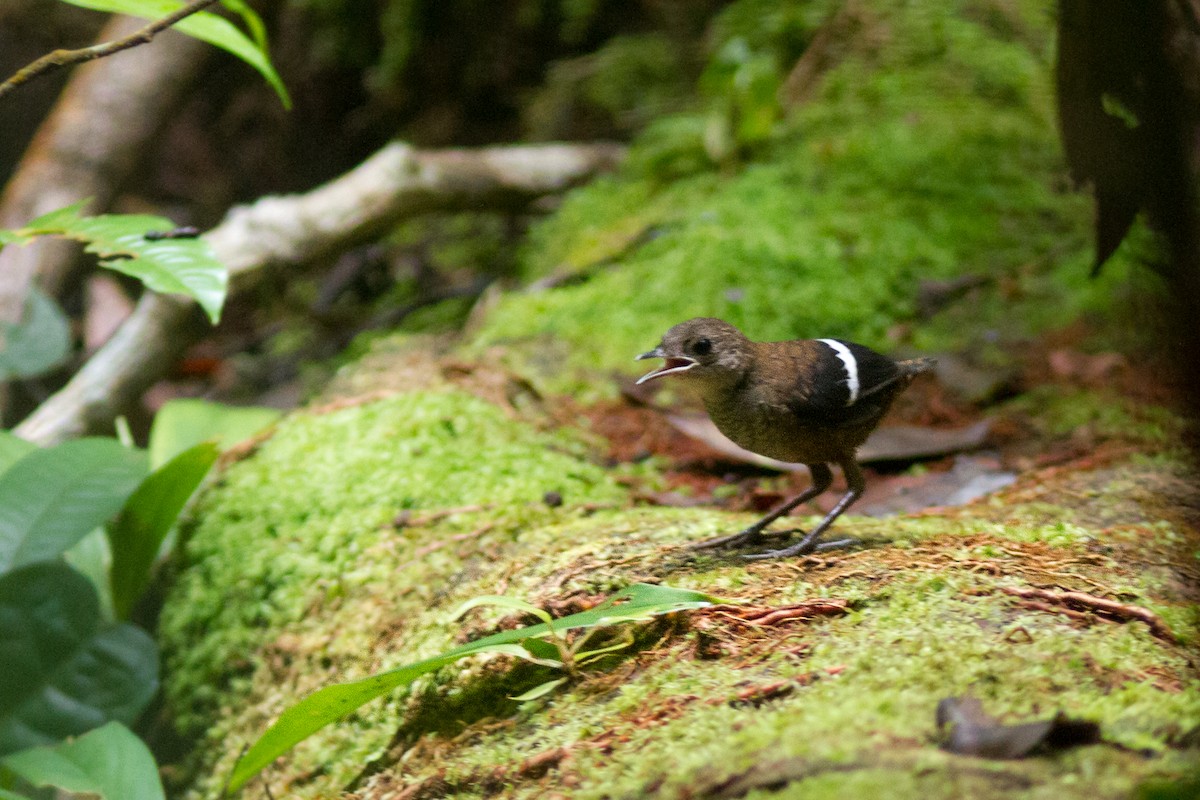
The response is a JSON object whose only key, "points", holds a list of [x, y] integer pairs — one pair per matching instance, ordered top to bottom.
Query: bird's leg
{"points": [[822, 477], [856, 483]]}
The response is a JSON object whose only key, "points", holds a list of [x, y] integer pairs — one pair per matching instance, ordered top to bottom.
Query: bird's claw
{"points": [[751, 535], [748, 536], [801, 549]]}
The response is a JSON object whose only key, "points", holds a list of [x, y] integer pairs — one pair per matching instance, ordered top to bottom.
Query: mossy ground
{"points": [[340, 546], [835, 704]]}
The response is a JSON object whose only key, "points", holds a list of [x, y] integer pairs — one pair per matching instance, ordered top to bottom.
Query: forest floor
{"points": [[1071, 588]]}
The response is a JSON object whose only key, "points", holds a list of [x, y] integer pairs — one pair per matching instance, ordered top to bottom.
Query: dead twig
{"points": [[61, 58], [405, 519], [433, 547], [1082, 578], [1070, 604], [1050, 608], [808, 610], [761, 617], [1019, 632], [761, 693], [538, 765]]}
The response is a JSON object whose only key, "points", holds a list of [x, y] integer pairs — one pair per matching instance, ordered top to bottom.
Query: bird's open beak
{"points": [[674, 365]]}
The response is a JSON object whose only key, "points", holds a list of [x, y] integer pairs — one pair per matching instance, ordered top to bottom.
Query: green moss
{"points": [[627, 82], [930, 157], [1102, 415], [296, 525], [283, 624], [867, 718]]}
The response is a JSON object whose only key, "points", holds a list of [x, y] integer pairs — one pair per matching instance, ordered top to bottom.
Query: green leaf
{"points": [[252, 21], [205, 26], [13, 237], [171, 266], [39, 342], [181, 424], [12, 449], [52, 498], [136, 535], [91, 557], [643, 600], [502, 601], [540, 648], [517, 651], [591, 655], [64, 672], [540, 690], [334, 702], [110, 762]]}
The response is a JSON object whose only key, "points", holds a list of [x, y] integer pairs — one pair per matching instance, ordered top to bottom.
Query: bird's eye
{"points": [[702, 347]]}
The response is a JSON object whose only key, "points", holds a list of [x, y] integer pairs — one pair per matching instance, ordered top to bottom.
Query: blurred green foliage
{"points": [[554, 67], [624, 85], [926, 151]]}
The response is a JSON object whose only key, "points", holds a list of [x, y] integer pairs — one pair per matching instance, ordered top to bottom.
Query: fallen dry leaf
{"points": [[893, 443], [973, 732]]}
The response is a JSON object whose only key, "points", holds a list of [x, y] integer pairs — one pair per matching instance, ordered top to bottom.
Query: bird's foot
{"points": [[751, 535], [801, 549]]}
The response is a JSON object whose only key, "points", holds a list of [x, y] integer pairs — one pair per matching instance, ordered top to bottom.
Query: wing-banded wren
{"points": [[810, 401]]}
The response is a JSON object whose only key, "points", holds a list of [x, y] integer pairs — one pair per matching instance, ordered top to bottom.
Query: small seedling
{"points": [[555, 650]]}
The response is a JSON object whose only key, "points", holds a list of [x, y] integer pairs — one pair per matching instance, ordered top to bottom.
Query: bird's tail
{"points": [[915, 366]]}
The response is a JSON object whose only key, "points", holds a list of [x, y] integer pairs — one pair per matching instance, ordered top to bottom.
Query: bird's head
{"points": [[705, 350]]}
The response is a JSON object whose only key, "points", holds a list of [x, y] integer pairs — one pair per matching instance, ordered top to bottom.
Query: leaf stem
{"points": [[61, 58]]}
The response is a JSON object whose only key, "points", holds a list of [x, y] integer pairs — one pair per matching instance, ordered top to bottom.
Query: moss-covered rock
{"points": [[311, 521], [830, 704]]}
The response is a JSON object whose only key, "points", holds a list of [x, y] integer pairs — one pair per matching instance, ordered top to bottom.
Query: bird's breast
{"points": [[772, 430]]}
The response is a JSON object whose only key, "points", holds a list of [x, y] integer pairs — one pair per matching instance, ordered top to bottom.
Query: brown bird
{"points": [[811, 401]]}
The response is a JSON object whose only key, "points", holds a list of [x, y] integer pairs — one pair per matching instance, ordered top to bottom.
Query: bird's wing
{"points": [[875, 370], [838, 379]]}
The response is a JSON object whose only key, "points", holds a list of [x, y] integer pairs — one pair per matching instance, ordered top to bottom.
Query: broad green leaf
{"points": [[205, 26], [170, 266], [38, 343], [181, 424], [12, 449], [52, 498], [136, 535], [502, 601], [64, 672], [540, 690], [334, 702], [110, 762]]}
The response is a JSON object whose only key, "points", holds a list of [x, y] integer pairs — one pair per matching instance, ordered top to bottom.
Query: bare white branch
{"points": [[396, 182]]}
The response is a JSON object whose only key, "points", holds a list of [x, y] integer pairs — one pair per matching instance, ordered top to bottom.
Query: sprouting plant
{"points": [[543, 643], [556, 650]]}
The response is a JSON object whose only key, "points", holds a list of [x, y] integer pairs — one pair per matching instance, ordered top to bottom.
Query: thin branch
{"points": [[62, 58], [395, 183]]}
